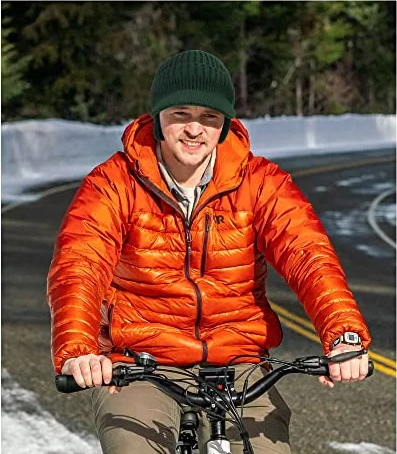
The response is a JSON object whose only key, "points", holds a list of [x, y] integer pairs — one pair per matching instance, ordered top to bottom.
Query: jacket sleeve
{"points": [[295, 243], [87, 249]]}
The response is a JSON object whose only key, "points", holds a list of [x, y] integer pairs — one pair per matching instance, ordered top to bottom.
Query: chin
{"points": [[192, 163]]}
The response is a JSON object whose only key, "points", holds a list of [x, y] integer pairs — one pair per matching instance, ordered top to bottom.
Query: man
{"points": [[164, 250]]}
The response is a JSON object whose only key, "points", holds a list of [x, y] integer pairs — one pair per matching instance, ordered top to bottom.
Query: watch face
{"points": [[351, 338]]}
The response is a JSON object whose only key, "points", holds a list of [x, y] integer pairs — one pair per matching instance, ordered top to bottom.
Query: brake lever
{"points": [[345, 356], [319, 361], [312, 362], [124, 375]]}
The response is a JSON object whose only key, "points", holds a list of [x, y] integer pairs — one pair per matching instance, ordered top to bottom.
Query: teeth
{"points": [[191, 144]]}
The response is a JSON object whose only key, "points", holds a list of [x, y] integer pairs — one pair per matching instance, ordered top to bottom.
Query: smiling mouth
{"points": [[191, 143]]}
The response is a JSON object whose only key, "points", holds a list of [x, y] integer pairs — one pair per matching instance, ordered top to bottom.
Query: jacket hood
{"points": [[232, 155]]}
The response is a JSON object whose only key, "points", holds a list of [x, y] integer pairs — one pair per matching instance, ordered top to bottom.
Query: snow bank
{"points": [[286, 136], [39, 152]]}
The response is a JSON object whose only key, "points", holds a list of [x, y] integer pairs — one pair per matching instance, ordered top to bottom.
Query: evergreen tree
{"points": [[374, 53], [94, 61], [13, 80], [13, 83]]}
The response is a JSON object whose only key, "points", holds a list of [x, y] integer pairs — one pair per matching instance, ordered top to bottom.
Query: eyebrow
{"points": [[206, 109]]}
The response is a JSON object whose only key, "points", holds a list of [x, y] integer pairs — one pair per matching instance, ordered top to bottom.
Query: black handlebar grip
{"points": [[371, 368], [67, 384]]}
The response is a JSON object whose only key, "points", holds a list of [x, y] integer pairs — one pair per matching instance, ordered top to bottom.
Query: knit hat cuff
{"points": [[195, 97]]}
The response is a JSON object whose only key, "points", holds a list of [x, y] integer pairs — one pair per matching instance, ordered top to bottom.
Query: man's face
{"points": [[190, 134]]}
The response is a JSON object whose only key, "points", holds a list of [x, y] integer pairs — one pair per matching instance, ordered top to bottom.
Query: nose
{"points": [[193, 128]]}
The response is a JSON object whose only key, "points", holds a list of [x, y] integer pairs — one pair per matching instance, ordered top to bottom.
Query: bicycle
{"points": [[214, 392]]}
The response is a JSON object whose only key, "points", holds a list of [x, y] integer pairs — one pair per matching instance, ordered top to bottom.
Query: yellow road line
{"points": [[282, 311], [294, 321], [299, 325], [298, 329], [382, 359], [386, 370]]}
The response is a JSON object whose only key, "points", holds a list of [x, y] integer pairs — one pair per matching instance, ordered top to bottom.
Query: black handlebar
{"points": [[146, 366]]}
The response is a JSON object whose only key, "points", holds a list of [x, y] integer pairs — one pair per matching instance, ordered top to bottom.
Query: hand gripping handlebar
{"points": [[146, 368]]}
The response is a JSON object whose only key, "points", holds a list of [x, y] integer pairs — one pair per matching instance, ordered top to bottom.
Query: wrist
{"points": [[348, 338]]}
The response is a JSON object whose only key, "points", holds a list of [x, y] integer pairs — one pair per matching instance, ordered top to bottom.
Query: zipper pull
{"points": [[207, 222], [188, 241]]}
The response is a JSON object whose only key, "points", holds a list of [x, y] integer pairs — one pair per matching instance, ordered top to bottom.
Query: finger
{"points": [[66, 366], [363, 367], [85, 368], [107, 369], [75, 370], [350, 370], [355, 370], [96, 371], [346, 371], [334, 372]]}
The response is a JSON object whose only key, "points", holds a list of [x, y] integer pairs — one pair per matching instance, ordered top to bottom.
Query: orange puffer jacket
{"points": [[129, 272]]}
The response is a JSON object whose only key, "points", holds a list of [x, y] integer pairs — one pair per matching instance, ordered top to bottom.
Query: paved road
{"points": [[356, 413]]}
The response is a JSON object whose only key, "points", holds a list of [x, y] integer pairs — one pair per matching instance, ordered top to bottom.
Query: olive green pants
{"points": [[142, 419]]}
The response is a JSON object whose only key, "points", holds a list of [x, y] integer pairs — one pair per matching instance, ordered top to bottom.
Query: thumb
{"points": [[326, 381], [114, 389]]}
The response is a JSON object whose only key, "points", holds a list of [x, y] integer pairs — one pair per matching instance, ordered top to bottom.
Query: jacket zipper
{"points": [[157, 191], [200, 207], [188, 237], [205, 245], [197, 291]]}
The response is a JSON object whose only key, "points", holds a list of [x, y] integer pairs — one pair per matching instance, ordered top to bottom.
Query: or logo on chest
{"points": [[219, 219]]}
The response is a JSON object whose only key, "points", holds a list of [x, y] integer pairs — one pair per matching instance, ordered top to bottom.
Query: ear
{"points": [[225, 129], [158, 134]]}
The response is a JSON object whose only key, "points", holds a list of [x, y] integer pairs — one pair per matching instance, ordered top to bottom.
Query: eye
{"points": [[212, 117]]}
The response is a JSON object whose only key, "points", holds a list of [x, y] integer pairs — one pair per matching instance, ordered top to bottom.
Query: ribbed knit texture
{"points": [[196, 78]]}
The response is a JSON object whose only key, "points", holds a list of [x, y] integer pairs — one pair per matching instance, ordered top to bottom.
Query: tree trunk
{"points": [[243, 71], [298, 89], [312, 91]]}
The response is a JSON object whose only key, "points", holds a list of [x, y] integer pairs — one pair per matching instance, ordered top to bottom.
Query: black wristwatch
{"points": [[348, 338]]}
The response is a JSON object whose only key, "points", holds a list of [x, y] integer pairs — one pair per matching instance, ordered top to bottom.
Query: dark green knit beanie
{"points": [[193, 78]]}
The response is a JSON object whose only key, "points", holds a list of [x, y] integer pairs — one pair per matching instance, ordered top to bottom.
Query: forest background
{"points": [[94, 61]]}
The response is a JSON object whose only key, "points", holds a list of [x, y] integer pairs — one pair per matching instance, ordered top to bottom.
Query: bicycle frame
{"points": [[187, 440]]}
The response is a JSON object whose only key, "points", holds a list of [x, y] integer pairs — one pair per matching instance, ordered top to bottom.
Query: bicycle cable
{"points": [[228, 408], [239, 417]]}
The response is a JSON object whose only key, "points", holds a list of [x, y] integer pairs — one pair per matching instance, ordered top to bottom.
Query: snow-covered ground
{"points": [[41, 152], [35, 153], [26, 428], [29, 429]]}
